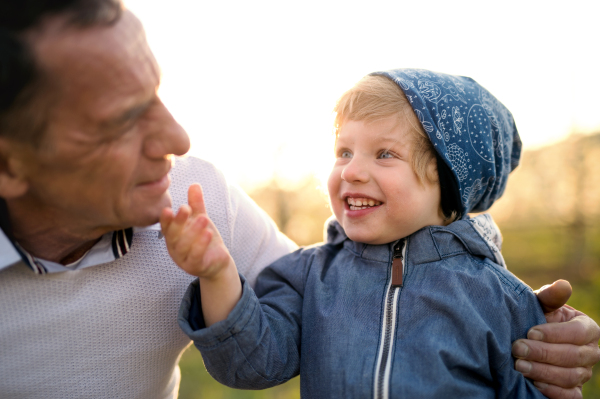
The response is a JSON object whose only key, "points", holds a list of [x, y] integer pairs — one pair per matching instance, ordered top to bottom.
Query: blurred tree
{"points": [[556, 189], [300, 210]]}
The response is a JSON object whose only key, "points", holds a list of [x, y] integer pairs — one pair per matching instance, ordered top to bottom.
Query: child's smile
{"points": [[374, 192], [357, 204]]}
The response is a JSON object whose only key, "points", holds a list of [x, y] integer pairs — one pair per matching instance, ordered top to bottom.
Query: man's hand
{"points": [[192, 239], [196, 246], [559, 355]]}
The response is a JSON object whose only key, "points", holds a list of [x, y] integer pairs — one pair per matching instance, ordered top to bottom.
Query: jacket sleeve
{"points": [[525, 312], [258, 345]]}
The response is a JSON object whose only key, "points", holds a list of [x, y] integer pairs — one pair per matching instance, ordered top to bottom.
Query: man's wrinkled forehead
{"points": [[73, 58]]}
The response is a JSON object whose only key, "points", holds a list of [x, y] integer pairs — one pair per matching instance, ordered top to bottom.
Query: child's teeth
{"points": [[361, 203]]}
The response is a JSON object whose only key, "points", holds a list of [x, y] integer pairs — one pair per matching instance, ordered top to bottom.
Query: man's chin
{"points": [[150, 213], [146, 223]]}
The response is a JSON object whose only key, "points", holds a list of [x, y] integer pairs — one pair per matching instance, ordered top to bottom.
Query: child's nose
{"points": [[355, 172]]}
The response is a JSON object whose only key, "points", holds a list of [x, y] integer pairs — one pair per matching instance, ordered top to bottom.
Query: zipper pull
{"points": [[397, 264]]}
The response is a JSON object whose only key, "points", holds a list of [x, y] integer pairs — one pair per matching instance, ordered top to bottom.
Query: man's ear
{"points": [[13, 181]]}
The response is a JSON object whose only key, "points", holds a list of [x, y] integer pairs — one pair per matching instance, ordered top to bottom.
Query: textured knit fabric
{"points": [[470, 129], [323, 309], [110, 331]]}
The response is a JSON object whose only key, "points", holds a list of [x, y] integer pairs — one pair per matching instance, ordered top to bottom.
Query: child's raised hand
{"points": [[192, 239]]}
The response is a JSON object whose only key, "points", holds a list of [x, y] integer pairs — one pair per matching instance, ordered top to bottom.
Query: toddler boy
{"points": [[409, 297]]}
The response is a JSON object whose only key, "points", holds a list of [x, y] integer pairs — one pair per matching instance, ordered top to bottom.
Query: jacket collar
{"points": [[478, 236]]}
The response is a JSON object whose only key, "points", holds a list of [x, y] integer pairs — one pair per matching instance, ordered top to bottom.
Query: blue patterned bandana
{"points": [[470, 129]]}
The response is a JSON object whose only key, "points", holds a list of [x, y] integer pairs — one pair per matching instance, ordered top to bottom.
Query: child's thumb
{"points": [[196, 199]]}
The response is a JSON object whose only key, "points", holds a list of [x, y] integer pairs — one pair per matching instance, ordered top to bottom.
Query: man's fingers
{"points": [[196, 199], [554, 295], [562, 314], [580, 330], [563, 355], [559, 376], [554, 392]]}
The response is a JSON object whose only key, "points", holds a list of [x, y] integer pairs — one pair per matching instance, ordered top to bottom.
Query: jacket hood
{"points": [[472, 132], [478, 235]]}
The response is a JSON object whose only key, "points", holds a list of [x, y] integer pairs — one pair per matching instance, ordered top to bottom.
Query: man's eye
{"points": [[125, 126], [385, 155]]}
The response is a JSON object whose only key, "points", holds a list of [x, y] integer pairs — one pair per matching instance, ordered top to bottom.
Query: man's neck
{"points": [[49, 237]]}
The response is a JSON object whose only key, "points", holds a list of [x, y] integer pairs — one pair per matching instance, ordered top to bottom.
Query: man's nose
{"points": [[166, 136], [355, 171]]}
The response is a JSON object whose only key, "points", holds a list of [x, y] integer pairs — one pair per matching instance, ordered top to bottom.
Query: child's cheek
{"points": [[333, 188]]}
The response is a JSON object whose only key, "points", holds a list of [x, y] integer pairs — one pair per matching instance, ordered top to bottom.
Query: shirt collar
{"points": [[110, 247]]}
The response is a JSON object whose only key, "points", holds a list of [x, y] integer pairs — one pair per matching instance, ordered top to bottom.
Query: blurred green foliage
{"points": [[549, 218]]}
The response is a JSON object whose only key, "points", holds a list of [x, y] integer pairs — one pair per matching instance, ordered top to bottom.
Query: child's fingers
{"points": [[196, 199], [183, 214], [166, 217], [179, 220], [173, 229], [191, 237], [198, 249], [215, 257], [194, 261]]}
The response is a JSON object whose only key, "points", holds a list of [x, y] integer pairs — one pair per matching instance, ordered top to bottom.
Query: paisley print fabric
{"points": [[470, 129]]}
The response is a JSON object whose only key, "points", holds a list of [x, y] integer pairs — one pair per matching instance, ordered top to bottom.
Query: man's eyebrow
{"points": [[129, 114]]}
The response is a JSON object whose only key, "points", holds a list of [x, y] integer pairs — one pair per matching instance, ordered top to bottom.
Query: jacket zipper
{"points": [[384, 358]]}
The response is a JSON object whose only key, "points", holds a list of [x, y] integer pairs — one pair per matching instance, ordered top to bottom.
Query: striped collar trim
{"points": [[121, 242], [33, 263]]}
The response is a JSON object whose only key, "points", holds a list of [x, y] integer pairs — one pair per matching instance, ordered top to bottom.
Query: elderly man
{"points": [[89, 302]]}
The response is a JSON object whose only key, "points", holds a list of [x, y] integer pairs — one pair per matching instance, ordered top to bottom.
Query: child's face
{"points": [[372, 166]]}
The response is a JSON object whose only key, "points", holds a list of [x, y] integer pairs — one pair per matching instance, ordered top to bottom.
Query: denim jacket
{"points": [[330, 313]]}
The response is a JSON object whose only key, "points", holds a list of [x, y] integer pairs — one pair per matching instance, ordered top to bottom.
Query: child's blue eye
{"points": [[346, 154], [385, 155]]}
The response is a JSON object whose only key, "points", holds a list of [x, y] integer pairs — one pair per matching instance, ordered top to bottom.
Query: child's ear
{"points": [[432, 172], [13, 182]]}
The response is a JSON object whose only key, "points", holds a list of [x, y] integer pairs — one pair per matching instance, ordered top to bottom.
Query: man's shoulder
{"points": [[192, 163], [192, 169], [189, 170]]}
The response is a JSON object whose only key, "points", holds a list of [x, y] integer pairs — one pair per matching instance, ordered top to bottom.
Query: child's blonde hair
{"points": [[376, 97]]}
